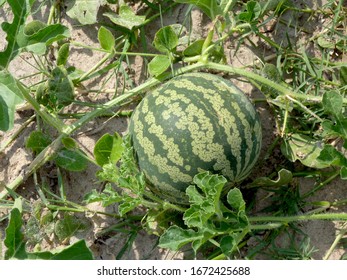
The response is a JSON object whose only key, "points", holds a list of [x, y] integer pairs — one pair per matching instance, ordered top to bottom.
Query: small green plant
{"points": [[15, 243]]}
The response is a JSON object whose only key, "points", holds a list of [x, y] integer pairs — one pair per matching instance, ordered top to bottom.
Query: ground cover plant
{"points": [[298, 76]]}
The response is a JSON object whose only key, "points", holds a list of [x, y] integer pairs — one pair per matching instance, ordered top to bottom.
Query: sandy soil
{"points": [[16, 158]]}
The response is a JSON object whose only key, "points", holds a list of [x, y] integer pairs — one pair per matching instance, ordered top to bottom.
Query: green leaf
{"points": [[209, 7], [20, 9], [85, 11], [251, 13], [126, 18], [33, 27], [36, 36], [106, 39], [166, 39], [326, 43], [194, 49], [63, 54], [159, 65], [343, 75], [9, 81], [61, 86], [58, 91], [10, 96], [332, 102], [7, 108], [337, 128], [37, 141], [69, 143], [303, 148], [108, 149], [332, 157], [71, 160], [129, 166], [109, 173], [343, 173], [126, 175], [284, 178], [133, 181], [92, 196], [108, 197], [235, 199], [127, 204], [207, 204], [46, 218], [158, 221], [68, 226], [206, 234], [175, 237], [14, 240], [15, 244], [228, 244], [76, 251]]}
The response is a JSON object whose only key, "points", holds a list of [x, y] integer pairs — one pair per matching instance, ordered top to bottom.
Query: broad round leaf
{"points": [[106, 39], [165, 40], [63, 54], [159, 65], [38, 141], [108, 149], [71, 160]]}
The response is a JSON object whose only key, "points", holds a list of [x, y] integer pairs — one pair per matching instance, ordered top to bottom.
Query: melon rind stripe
{"points": [[198, 92], [190, 103], [150, 152]]}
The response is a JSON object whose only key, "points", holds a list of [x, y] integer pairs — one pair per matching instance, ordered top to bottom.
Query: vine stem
{"points": [[52, 13], [86, 75], [286, 91], [321, 185], [310, 217], [338, 238]]}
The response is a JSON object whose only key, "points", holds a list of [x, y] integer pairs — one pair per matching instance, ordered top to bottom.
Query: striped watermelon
{"points": [[193, 123]]}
